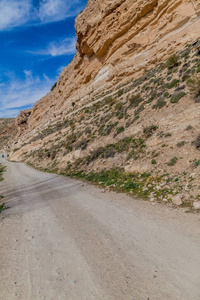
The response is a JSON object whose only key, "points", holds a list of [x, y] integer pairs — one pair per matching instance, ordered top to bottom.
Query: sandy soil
{"points": [[64, 239]]}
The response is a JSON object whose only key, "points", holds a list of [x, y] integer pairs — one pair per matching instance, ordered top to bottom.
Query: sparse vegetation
{"points": [[173, 61], [172, 84], [194, 84], [53, 86], [177, 96], [135, 100], [159, 104], [148, 131], [196, 143], [181, 144], [173, 161]]}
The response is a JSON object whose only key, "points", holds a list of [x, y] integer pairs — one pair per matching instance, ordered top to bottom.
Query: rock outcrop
{"points": [[118, 40], [121, 102]]}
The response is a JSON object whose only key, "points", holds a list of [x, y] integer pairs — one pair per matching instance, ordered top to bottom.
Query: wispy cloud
{"points": [[57, 10], [15, 13], [62, 47], [60, 69], [17, 94]]}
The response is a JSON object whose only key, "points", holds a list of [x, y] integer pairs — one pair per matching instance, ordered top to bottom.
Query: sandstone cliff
{"points": [[117, 40], [119, 103], [8, 131]]}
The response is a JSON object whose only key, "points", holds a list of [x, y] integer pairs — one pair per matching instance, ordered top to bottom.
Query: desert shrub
{"points": [[185, 53], [173, 61], [185, 76], [172, 84], [194, 84], [53, 86], [180, 88], [120, 93], [166, 94], [153, 95], [177, 96], [109, 100], [135, 100], [159, 104], [97, 105], [119, 106], [138, 111], [189, 127], [101, 129], [109, 129], [120, 129], [88, 130], [148, 131], [196, 143], [81, 144], [180, 144], [96, 153], [109, 153], [53, 155], [172, 161], [153, 162], [196, 163]]}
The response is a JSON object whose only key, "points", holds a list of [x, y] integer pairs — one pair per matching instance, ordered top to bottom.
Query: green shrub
{"points": [[185, 53], [173, 61], [172, 84], [194, 84], [53, 86], [120, 93], [166, 94], [152, 96], [177, 96], [109, 100], [135, 100], [159, 104], [119, 106], [138, 110], [120, 129], [148, 131], [196, 143], [180, 144], [173, 161], [153, 162], [2, 207]]}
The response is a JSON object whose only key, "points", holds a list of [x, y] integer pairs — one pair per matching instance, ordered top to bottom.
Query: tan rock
{"points": [[177, 200], [196, 205]]}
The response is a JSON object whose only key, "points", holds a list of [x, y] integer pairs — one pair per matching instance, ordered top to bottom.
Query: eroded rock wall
{"points": [[117, 40]]}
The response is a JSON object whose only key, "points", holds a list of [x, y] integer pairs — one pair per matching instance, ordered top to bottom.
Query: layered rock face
{"points": [[117, 40], [124, 102], [8, 131]]}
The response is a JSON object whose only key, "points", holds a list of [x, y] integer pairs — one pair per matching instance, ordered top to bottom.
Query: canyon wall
{"points": [[118, 40], [121, 102]]}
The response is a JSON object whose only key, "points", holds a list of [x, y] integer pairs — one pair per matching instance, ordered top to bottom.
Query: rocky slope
{"points": [[122, 103], [8, 130]]}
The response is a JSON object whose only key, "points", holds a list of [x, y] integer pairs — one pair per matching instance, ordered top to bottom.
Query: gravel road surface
{"points": [[63, 239]]}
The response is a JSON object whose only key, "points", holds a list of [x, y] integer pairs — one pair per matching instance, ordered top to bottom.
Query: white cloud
{"points": [[56, 10], [15, 13], [63, 47], [60, 69], [17, 93]]}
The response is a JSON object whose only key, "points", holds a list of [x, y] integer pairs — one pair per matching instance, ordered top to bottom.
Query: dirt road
{"points": [[64, 239]]}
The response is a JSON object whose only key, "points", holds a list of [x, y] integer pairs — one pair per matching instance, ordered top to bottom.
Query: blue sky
{"points": [[37, 41]]}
